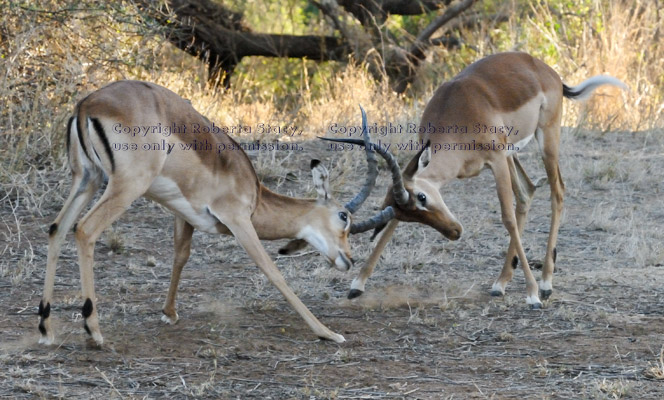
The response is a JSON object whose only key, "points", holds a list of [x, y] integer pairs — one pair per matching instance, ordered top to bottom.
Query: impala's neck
{"points": [[280, 217]]}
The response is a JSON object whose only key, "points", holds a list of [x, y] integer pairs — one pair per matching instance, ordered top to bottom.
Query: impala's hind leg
{"points": [[550, 158], [84, 186], [112, 204]]}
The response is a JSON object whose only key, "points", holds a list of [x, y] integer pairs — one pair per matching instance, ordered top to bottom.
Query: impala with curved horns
{"points": [[507, 92], [213, 191]]}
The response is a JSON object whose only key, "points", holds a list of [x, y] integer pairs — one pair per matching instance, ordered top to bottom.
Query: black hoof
{"points": [[354, 293], [496, 293], [544, 294], [536, 306]]}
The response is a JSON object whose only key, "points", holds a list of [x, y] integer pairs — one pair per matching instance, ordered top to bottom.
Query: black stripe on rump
{"points": [[69, 123], [79, 128], [104, 139]]}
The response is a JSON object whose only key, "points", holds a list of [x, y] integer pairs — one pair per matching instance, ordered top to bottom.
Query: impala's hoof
{"points": [[497, 290], [354, 293], [545, 294], [534, 302], [170, 320], [335, 337], [97, 338], [46, 340]]}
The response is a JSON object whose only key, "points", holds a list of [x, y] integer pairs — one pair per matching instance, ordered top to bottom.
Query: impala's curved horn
{"points": [[372, 167], [379, 219]]}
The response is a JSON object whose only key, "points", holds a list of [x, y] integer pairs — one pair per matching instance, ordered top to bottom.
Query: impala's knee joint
{"points": [[510, 224]]}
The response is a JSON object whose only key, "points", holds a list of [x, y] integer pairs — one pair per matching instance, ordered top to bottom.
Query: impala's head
{"points": [[415, 199], [326, 225]]}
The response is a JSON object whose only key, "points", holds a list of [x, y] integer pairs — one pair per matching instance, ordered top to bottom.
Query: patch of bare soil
{"points": [[425, 328]]}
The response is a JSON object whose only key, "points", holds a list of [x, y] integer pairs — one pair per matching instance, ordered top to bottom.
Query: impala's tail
{"points": [[584, 89]]}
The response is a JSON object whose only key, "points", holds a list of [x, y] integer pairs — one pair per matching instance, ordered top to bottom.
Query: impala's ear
{"points": [[425, 157], [421, 160], [321, 179], [293, 246]]}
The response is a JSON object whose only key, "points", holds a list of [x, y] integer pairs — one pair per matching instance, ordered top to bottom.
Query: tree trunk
{"points": [[208, 30], [216, 35]]}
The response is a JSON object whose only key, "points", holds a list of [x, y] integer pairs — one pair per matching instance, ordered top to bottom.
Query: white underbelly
{"points": [[520, 145], [167, 193]]}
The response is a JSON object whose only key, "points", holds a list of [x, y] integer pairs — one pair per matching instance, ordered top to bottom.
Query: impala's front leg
{"points": [[501, 172], [523, 190], [183, 232], [246, 235], [357, 287]]}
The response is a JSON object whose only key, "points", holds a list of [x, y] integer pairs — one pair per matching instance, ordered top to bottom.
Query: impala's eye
{"points": [[422, 198], [343, 216]]}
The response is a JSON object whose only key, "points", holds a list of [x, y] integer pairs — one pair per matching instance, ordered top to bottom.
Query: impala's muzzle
{"points": [[443, 222], [447, 226], [453, 233], [342, 262]]}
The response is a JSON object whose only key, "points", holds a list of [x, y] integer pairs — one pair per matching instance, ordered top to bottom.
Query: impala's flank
{"points": [[511, 90], [216, 192]]}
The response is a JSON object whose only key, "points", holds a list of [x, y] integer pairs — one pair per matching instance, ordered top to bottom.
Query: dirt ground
{"points": [[426, 327]]}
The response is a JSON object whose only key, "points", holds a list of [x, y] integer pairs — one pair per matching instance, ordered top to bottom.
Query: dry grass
{"points": [[656, 370]]}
